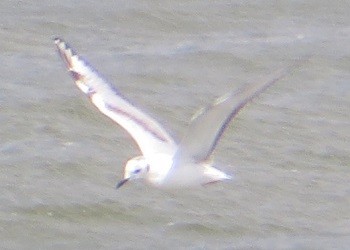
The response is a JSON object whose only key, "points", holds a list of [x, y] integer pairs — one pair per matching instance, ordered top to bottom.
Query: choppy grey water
{"points": [[289, 149]]}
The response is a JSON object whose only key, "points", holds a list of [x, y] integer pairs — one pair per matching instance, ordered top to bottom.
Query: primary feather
{"points": [[149, 135]]}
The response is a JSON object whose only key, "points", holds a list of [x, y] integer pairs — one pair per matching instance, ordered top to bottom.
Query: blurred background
{"points": [[289, 150]]}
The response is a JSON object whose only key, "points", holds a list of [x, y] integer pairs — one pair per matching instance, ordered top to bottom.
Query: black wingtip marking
{"points": [[57, 39]]}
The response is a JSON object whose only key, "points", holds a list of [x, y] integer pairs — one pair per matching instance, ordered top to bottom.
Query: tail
{"points": [[214, 175]]}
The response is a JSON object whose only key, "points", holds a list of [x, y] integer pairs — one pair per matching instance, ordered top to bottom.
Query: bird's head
{"points": [[135, 168]]}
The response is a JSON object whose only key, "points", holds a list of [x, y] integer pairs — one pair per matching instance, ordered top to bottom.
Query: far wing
{"points": [[209, 124], [148, 134]]}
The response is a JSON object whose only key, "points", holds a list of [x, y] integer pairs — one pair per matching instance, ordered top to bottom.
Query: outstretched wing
{"points": [[209, 124], [149, 135]]}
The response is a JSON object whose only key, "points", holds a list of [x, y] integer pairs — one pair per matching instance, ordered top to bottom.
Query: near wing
{"points": [[209, 124], [148, 134]]}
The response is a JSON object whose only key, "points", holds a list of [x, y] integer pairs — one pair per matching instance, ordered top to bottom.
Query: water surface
{"points": [[289, 150]]}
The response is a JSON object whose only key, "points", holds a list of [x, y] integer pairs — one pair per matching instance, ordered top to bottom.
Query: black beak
{"points": [[121, 183]]}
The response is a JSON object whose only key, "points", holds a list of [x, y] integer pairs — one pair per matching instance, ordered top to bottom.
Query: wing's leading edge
{"points": [[149, 135]]}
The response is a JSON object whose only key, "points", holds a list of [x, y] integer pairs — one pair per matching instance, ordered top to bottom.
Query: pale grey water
{"points": [[289, 150]]}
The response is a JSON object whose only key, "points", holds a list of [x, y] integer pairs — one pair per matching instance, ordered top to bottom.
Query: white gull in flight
{"points": [[164, 163]]}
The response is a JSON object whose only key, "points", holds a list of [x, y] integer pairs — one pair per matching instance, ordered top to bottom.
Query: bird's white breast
{"points": [[159, 167]]}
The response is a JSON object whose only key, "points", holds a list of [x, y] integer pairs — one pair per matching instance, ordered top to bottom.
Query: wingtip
{"points": [[57, 40], [60, 43], [64, 47], [65, 51]]}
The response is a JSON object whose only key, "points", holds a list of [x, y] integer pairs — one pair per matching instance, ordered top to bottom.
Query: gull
{"points": [[164, 163]]}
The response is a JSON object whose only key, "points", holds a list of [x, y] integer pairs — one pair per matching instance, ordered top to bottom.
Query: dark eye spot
{"points": [[137, 171]]}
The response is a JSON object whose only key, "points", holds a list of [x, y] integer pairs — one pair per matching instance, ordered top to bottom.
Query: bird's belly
{"points": [[186, 176], [173, 177]]}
